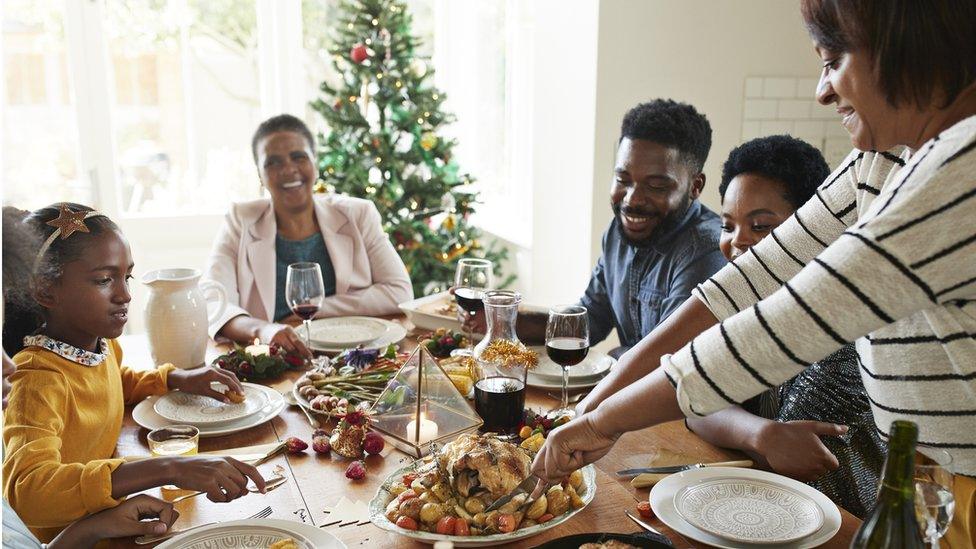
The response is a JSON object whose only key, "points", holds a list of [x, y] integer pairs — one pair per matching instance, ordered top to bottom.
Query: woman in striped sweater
{"points": [[884, 256], [818, 426]]}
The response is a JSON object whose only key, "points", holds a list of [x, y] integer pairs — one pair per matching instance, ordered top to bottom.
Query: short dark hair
{"points": [[918, 48], [281, 123], [672, 124], [796, 164]]}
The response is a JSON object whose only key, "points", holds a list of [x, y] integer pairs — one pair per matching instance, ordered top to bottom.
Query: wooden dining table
{"points": [[316, 483]]}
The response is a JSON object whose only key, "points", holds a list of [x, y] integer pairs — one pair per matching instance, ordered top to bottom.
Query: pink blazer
{"points": [[370, 277]]}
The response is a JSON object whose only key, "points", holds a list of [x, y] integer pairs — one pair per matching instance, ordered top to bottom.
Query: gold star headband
{"points": [[67, 223]]}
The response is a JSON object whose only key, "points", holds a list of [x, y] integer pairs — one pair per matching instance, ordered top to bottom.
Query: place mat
{"points": [[661, 457]]}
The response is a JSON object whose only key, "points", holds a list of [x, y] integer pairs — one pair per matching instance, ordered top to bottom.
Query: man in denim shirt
{"points": [[662, 242]]}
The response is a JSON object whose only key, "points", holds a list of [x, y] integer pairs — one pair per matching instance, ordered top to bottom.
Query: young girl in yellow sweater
{"points": [[65, 410]]}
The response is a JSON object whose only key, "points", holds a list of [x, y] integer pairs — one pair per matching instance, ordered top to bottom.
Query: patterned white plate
{"points": [[347, 331], [198, 410], [145, 416], [663, 494], [748, 510], [254, 533]]}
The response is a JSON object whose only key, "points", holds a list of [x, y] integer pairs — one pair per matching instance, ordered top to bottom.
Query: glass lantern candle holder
{"points": [[420, 408]]}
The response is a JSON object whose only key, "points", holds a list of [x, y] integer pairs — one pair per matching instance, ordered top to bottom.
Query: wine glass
{"points": [[471, 280], [304, 291], [567, 344], [934, 502]]}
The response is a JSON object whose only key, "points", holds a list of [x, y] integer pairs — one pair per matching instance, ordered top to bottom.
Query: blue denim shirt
{"points": [[633, 289]]}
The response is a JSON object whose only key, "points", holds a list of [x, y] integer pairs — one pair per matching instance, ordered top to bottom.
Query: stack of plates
{"points": [[332, 335], [586, 374], [211, 417], [744, 508]]}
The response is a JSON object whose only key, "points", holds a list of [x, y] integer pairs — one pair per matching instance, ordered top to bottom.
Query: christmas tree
{"points": [[383, 143]]}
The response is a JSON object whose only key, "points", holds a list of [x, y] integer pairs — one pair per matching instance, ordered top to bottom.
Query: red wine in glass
{"points": [[469, 299], [305, 312], [567, 351], [500, 402]]}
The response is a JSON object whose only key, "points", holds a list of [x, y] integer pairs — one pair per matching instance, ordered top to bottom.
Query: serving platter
{"points": [[377, 508]]}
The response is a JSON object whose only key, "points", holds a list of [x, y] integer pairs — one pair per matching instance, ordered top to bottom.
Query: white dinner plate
{"points": [[430, 312], [347, 331], [394, 333], [593, 367], [556, 384], [199, 410], [144, 415], [663, 495], [749, 510], [377, 515], [257, 533]]}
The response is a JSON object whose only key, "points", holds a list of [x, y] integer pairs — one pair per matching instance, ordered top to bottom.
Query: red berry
{"points": [[448, 341], [221, 362], [373, 443], [295, 445], [321, 445], [356, 471]]}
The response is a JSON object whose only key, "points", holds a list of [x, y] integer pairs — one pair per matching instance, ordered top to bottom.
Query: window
{"points": [[40, 132]]}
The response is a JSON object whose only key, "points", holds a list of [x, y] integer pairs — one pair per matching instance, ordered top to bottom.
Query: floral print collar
{"points": [[70, 352]]}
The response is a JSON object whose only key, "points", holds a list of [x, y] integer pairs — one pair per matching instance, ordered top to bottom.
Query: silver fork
{"points": [[145, 540]]}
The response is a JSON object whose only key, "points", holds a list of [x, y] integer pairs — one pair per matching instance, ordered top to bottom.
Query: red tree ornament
{"points": [[358, 54]]}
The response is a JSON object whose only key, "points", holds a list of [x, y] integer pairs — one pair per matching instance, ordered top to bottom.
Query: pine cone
{"points": [[348, 442]]}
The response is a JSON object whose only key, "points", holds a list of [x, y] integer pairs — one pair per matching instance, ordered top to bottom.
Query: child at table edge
{"points": [[66, 406]]}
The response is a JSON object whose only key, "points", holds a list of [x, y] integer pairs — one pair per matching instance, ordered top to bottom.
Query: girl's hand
{"points": [[285, 337], [198, 380], [570, 447], [794, 448], [222, 478], [127, 519]]}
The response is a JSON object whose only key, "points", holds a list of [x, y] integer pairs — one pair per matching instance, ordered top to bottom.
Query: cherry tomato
{"points": [[409, 478], [644, 508], [544, 518], [406, 523], [446, 525], [461, 528]]}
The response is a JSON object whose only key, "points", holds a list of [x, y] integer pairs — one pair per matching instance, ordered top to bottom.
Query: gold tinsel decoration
{"points": [[449, 223], [455, 252], [510, 354]]}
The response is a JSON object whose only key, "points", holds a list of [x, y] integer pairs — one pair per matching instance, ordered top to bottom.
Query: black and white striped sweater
{"points": [[883, 255]]}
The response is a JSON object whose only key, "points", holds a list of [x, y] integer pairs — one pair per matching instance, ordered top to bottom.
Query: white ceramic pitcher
{"points": [[176, 316]]}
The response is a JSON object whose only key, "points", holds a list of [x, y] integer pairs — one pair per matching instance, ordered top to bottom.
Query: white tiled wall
{"points": [[778, 105]]}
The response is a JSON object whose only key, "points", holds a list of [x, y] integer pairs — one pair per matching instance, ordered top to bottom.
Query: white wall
{"points": [[695, 51]]}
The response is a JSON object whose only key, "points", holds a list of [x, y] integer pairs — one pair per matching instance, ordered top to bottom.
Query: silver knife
{"points": [[679, 468], [532, 485], [644, 525]]}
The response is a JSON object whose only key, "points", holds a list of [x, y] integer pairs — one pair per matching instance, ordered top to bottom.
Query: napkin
{"points": [[661, 458], [348, 511]]}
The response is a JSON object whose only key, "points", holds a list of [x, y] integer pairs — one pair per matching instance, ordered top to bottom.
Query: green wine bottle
{"points": [[892, 523]]}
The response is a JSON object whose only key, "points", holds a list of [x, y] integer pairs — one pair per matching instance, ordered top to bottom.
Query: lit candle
{"points": [[257, 349], [428, 430]]}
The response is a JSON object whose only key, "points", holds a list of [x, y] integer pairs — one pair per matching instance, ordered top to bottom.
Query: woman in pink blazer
{"points": [[362, 272]]}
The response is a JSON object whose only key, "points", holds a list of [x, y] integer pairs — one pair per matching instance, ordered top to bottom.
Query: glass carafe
{"points": [[500, 385]]}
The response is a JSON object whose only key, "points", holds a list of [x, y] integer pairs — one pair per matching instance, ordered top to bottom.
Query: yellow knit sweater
{"points": [[61, 426]]}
